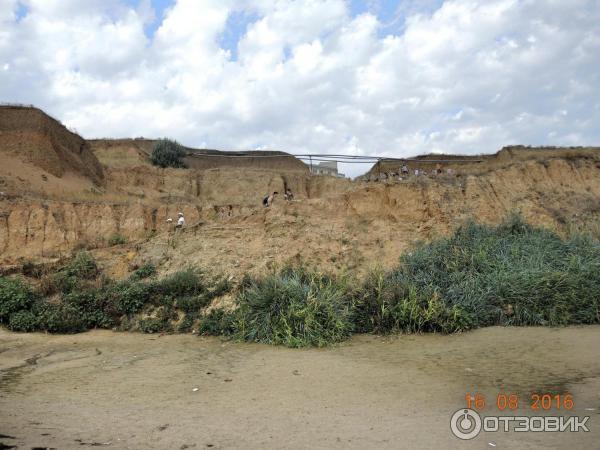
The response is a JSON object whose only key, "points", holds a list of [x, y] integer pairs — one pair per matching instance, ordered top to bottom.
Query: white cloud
{"points": [[467, 76]]}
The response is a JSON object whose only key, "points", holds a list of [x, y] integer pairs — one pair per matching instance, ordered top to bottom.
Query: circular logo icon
{"points": [[465, 424]]}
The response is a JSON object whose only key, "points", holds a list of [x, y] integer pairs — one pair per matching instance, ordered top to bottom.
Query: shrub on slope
{"points": [[168, 153]]}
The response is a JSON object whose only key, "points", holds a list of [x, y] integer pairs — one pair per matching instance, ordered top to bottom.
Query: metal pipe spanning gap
{"points": [[284, 155], [338, 158]]}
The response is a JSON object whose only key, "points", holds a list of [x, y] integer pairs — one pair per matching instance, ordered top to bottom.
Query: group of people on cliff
{"points": [[404, 173], [267, 202]]}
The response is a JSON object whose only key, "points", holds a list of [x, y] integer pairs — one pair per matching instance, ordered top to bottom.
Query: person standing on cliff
{"points": [[268, 200], [180, 221]]}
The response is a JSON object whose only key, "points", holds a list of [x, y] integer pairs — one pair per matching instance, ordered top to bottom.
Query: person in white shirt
{"points": [[180, 221]]}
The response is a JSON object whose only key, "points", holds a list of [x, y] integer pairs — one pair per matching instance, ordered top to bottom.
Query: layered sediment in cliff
{"points": [[41, 141], [332, 223]]}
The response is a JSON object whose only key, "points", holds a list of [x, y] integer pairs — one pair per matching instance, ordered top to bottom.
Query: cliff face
{"points": [[39, 140], [267, 160], [482, 163], [240, 187], [548, 192], [138, 207], [333, 223], [372, 224], [47, 229]]}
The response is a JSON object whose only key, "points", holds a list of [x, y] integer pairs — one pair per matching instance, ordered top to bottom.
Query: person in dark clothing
{"points": [[268, 200]]}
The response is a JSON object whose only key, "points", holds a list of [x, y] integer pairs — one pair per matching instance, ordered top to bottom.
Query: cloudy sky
{"points": [[394, 78]]}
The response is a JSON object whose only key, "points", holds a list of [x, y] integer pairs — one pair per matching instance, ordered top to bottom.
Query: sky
{"points": [[376, 77]]}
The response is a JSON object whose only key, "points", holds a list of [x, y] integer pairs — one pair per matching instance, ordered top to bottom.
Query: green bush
{"points": [[168, 153], [116, 239], [82, 266], [147, 270], [76, 275], [63, 282], [187, 282], [15, 295], [129, 297], [87, 300], [374, 301], [192, 304], [95, 308], [294, 308], [413, 315], [59, 317], [23, 321], [187, 322], [218, 322], [154, 325]]}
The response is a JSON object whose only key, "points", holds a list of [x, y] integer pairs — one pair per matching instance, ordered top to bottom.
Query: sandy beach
{"points": [[125, 390]]}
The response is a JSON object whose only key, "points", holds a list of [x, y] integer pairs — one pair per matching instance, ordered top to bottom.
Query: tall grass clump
{"points": [[168, 153], [116, 239], [511, 274], [386, 303], [296, 308]]}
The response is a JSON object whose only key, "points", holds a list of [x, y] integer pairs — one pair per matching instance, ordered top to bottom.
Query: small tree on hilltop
{"points": [[168, 153]]}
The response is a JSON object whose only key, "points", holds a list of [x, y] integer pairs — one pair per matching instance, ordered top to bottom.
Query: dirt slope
{"points": [[33, 143], [332, 224], [372, 224]]}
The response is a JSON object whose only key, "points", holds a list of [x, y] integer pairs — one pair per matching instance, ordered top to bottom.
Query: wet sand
{"points": [[124, 390]]}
